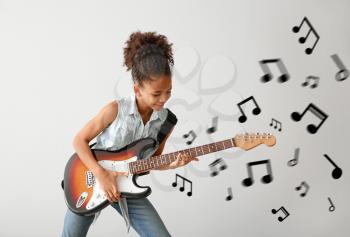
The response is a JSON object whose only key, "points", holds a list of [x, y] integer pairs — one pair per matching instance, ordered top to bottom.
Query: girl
{"points": [[149, 57]]}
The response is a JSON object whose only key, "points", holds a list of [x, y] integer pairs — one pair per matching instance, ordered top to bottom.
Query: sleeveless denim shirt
{"points": [[126, 128]]}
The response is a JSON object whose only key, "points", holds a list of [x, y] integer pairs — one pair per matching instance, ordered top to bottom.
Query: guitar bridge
{"points": [[90, 179]]}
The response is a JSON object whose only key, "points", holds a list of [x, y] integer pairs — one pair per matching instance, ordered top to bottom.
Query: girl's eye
{"points": [[156, 95]]}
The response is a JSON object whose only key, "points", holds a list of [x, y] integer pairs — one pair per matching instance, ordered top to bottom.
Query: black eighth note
{"points": [[302, 40], [268, 75], [308, 79], [255, 111], [276, 122], [312, 128], [193, 134], [214, 170], [265, 179], [305, 185], [189, 193], [280, 218]]}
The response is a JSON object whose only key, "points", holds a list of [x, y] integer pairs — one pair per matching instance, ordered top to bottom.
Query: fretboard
{"points": [[154, 162]]}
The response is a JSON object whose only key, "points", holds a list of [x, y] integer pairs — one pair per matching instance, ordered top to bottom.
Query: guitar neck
{"points": [[154, 162]]}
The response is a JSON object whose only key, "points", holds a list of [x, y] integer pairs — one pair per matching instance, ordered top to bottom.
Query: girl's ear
{"points": [[136, 89]]}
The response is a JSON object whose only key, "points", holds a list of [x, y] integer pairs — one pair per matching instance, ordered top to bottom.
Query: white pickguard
{"points": [[124, 183]]}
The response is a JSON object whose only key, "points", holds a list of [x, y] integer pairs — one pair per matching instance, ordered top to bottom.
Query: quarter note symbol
{"points": [[302, 40], [343, 73], [268, 74], [308, 79], [255, 111], [296, 116], [276, 123], [214, 127], [193, 134], [294, 161], [213, 165], [337, 172], [265, 179], [303, 184], [189, 193], [229, 196], [332, 207], [286, 213]]}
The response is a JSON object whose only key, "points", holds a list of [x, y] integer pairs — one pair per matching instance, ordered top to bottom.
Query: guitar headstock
{"points": [[248, 141]]}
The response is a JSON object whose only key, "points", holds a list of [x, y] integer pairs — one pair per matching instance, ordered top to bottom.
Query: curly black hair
{"points": [[148, 55]]}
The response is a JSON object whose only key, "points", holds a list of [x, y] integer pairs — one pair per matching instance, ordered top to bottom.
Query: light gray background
{"points": [[61, 61]]}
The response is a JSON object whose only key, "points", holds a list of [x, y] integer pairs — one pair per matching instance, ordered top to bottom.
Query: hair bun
{"points": [[140, 45]]}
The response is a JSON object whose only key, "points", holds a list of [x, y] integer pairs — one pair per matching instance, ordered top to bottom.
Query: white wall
{"points": [[61, 61]]}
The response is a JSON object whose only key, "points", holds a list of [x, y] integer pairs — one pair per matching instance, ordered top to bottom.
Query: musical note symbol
{"points": [[303, 39], [343, 72], [268, 75], [308, 79], [255, 111], [317, 112], [277, 123], [213, 128], [193, 136], [294, 161], [213, 168], [337, 172], [265, 179], [183, 184], [303, 184], [229, 196], [332, 207], [286, 213]]}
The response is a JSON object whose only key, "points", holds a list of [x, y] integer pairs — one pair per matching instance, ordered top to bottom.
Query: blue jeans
{"points": [[143, 218]]}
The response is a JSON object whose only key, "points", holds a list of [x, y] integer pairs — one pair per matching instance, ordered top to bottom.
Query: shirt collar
{"points": [[133, 109]]}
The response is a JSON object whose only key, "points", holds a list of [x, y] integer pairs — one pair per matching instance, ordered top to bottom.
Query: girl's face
{"points": [[154, 93]]}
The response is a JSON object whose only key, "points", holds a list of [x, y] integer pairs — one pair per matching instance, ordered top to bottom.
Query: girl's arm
{"points": [[81, 145]]}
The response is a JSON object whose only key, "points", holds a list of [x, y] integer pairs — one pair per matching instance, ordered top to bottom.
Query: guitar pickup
{"points": [[90, 179]]}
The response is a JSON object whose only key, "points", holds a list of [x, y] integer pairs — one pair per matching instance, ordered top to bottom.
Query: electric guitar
{"points": [[83, 194]]}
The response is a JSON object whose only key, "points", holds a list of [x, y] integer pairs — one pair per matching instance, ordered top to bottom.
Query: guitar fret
{"points": [[221, 146], [212, 147], [206, 149], [192, 151], [199, 151], [171, 156], [166, 157], [150, 162], [143, 165], [131, 167], [135, 167], [133, 170]]}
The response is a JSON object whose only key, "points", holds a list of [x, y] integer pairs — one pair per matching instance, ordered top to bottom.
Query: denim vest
{"points": [[128, 126]]}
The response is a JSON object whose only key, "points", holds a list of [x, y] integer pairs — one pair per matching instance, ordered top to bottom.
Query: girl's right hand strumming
{"points": [[108, 182]]}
